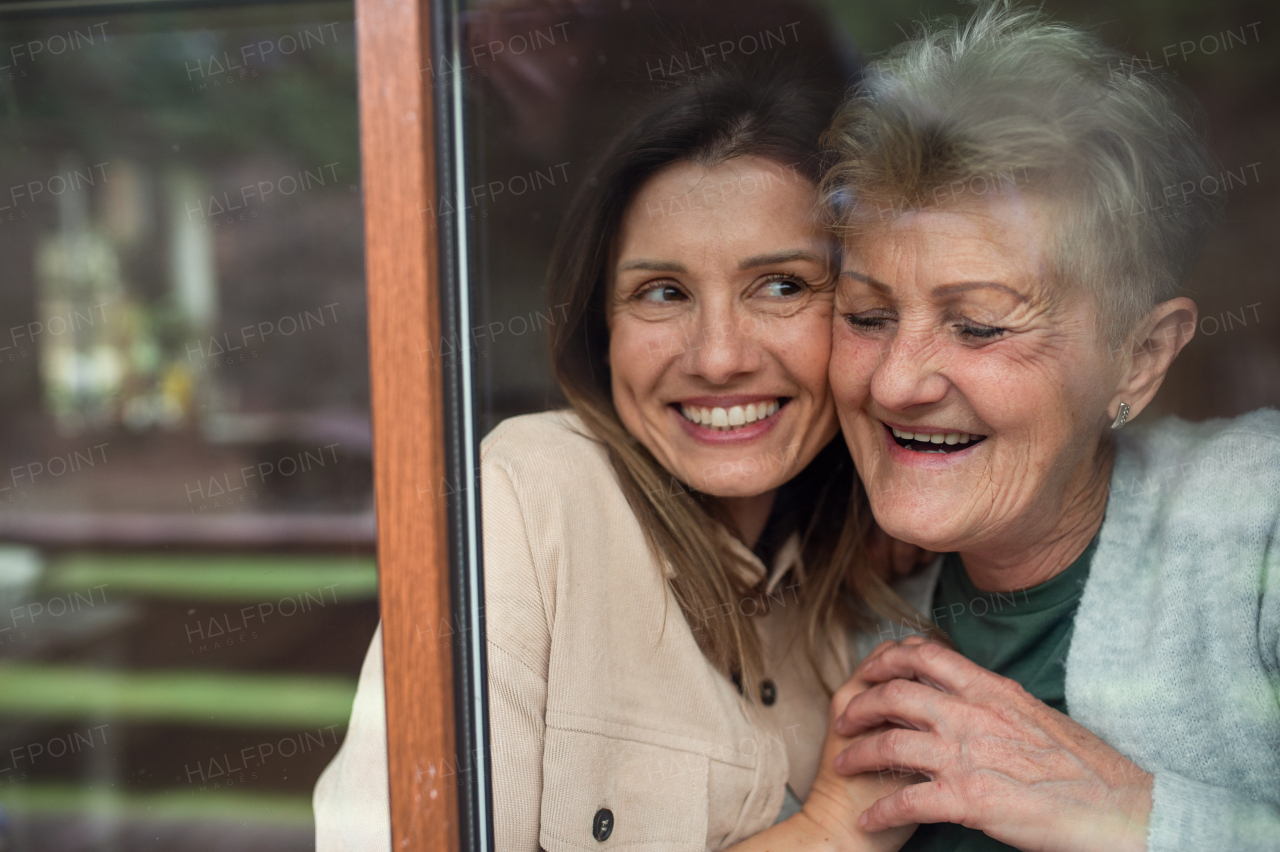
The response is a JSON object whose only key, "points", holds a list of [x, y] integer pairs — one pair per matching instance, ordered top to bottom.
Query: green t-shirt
{"points": [[1022, 635]]}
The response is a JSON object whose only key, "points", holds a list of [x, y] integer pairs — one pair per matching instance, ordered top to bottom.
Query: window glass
{"points": [[547, 87], [187, 581]]}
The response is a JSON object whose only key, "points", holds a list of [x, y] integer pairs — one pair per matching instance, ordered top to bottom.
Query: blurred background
{"points": [[187, 580]]}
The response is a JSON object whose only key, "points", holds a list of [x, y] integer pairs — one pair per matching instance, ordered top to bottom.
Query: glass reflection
{"points": [[186, 571]]}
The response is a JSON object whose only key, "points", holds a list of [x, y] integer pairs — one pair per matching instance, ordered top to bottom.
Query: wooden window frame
{"points": [[424, 455]]}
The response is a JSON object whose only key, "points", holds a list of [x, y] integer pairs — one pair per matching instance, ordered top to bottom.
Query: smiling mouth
{"points": [[731, 418], [935, 442]]}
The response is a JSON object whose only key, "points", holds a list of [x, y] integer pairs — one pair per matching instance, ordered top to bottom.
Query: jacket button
{"points": [[768, 692], [602, 826]]}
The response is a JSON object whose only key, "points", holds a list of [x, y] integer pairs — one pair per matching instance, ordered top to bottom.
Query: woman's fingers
{"points": [[927, 662], [898, 702], [897, 750], [925, 802]]}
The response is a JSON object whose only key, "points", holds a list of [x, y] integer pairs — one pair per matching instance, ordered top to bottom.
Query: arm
{"points": [[519, 648], [517, 709], [351, 800], [1187, 816]]}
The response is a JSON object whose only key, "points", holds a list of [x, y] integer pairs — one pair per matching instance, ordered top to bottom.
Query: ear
{"points": [[1152, 346]]}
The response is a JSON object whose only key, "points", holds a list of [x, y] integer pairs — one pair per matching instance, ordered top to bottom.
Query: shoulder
{"points": [[548, 441], [1177, 457], [546, 474], [541, 477], [1199, 500]]}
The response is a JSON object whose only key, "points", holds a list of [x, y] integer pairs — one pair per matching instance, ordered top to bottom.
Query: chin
{"points": [[731, 487], [918, 522], [922, 536]]}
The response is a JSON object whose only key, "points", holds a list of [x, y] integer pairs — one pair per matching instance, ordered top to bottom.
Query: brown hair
{"points": [[708, 124]]}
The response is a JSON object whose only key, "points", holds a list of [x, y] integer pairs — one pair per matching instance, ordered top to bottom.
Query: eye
{"points": [[782, 287], [660, 293], [868, 321], [976, 331]]}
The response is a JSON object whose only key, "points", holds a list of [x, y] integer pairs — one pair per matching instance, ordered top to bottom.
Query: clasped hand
{"points": [[995, 758]]}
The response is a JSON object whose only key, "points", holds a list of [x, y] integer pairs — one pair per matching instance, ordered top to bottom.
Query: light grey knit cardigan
{"points": [[1175, 661]]}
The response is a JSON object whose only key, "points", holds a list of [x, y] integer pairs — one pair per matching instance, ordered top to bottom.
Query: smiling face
{"points": [[720, 325], [972, 391]]}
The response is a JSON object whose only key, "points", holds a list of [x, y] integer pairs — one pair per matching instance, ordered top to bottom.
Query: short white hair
{"points": [[1012, 102]]}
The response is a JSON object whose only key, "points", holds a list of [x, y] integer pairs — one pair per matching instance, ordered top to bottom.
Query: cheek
{"points": [[803, 347], [638, 352], [853, 363], [1024, 393]]}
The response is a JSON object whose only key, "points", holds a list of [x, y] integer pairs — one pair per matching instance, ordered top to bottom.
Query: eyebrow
{"points": [[779, 257], [652, 265], [878, 286], [966, 286], [941, 289]]}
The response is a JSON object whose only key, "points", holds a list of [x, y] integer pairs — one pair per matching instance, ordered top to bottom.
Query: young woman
{"points": [[666, 562]]}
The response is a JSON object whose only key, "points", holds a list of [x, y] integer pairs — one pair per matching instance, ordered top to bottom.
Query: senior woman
{"points": [[1019, 219], [664, 563]]}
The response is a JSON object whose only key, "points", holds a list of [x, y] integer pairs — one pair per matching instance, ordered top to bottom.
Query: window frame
{"points": [[426, 478]]}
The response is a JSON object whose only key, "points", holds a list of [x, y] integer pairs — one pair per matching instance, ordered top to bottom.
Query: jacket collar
{"points": [[752, 570]]}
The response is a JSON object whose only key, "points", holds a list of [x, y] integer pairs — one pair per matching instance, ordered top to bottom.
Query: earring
{"points": [[1122, 417]]}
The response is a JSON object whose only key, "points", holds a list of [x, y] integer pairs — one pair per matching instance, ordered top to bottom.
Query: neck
{"points": [[750, 514], [1044, 552]]}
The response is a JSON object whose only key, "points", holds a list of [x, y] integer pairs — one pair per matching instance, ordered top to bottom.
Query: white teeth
{"points": [[730, 418], [951, 438]]}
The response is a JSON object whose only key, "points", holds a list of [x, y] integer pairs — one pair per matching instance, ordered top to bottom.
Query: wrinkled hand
{"points": [[891, 558], [997, 759], [836, 801]]}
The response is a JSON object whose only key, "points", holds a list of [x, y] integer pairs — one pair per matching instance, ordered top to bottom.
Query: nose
{"points": [[722, 347], [910, 370]]}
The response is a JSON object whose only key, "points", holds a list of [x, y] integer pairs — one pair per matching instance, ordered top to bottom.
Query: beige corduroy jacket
{"points": [[599, 696]]}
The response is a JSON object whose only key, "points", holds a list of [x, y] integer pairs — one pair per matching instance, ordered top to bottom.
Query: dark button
{"points": [[768, 692], [602, 826]]}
